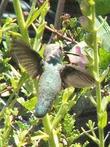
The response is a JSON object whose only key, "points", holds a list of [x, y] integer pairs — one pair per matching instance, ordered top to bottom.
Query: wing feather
{"points": [[28, 58], [77, 77]]}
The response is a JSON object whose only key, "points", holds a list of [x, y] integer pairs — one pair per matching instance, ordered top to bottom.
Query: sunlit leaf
{"points": [[102, 7], [36, 13], [39, 33], [103, 33], [104, 58], [104, 74], [67, 93], [105, 102], [29, 104], [102, 122]]}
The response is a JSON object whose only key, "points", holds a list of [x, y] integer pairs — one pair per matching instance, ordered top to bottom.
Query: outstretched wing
{"points": [[27, 57], [76, 76]]}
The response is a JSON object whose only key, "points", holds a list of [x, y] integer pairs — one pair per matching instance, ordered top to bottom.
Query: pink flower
{"points": [[80, 58]]}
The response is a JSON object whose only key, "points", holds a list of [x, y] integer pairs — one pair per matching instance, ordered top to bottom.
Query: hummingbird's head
{"points": [[52, 53]]}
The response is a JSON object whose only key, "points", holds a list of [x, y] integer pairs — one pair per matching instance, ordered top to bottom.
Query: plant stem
{"points": [[59, 12], [20, 19], [96, 69], [11, 101], [65, 107], [60, 115], [53, 138]]}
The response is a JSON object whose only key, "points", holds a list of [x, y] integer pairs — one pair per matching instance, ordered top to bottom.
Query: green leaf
{"points": [[85, 7], [102, 7], [36, 13], [1, 33], [39, 33], [103, 33], [41, 51], [104, 58], [104, 74], [14, 82], [28, 87], [67, 93], [104, 103], [29, 104], [103, 115], [102, 119], [90, 124], [22, 126], [40, 135]]}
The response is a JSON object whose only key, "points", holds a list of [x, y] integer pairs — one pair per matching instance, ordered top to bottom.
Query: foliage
{"points": [[102, 7], [18, 124]]}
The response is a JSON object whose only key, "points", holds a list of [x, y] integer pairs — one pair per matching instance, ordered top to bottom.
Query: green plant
{"points": [[89, 24], [19, 126]]}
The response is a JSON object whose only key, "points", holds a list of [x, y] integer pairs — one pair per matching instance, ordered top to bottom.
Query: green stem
{"points": [[20, 19], [96, 69], [11, 101], [65, 107], [62, 111], [6, 134], [53, 138]]}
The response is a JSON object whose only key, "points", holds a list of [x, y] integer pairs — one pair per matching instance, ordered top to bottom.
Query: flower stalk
{"points": [[20, 19], [97, 77], [53, 138]]}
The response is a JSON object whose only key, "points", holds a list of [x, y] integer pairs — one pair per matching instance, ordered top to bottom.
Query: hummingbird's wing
{"points": [[28, 58], [76, 76]]}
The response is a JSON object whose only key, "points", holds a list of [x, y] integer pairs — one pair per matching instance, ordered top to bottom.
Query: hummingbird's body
{"points": [[50, 80], [48, 87]]}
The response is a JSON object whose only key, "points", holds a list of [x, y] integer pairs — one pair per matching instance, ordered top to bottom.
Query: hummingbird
{"points": [[52, 72]]}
